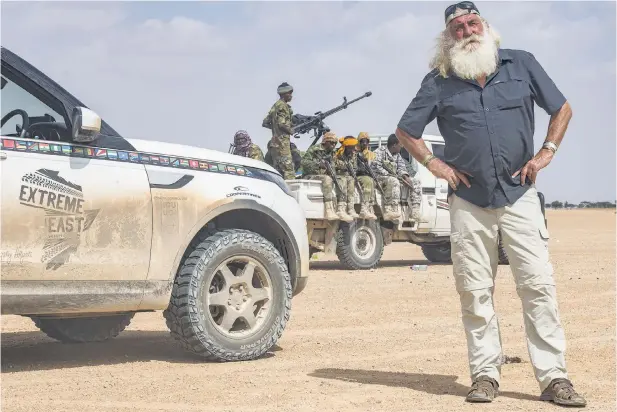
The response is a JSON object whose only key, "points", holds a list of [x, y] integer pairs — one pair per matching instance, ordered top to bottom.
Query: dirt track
{"points": [[385, 340]]}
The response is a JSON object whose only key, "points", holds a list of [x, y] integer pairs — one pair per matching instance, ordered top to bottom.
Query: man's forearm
{"points": [[558, 124], [416, 147]]}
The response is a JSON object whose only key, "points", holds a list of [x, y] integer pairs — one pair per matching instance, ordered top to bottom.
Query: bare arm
{"points": [[556, 130], [418, 149]]}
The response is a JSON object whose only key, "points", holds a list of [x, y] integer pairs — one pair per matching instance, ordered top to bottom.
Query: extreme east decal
{"points": [[122, 156], [65, 217]]}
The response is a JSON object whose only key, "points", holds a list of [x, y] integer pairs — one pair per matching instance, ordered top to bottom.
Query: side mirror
{"points": [[86, 125]]}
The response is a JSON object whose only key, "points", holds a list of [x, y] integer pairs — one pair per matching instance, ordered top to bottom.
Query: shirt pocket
{"points": [[510, 94], [463, 110]]}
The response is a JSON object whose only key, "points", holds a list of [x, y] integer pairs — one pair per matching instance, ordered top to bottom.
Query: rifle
{"points": [[304, 124], [368, 169], [330, 171], [400, 179], [358, 185]]}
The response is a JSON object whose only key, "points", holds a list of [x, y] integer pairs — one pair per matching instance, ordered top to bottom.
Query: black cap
{"points": [[465, 5]]}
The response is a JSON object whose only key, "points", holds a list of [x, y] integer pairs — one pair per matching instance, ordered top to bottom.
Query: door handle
{"points": [[2, 155]]}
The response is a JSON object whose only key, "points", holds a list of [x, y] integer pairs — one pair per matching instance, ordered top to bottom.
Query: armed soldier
{"points": [[279, 120], [363, 140], [243, 146], [348, 164], [316, 166], [391, 170]]}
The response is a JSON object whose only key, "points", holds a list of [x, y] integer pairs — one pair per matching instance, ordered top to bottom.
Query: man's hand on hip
{"points": [[532, 167], [444, 171]]}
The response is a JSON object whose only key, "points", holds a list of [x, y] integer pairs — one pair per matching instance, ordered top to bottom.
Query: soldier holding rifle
{"points": [[347, 164], [317, 165], [391, 171]]}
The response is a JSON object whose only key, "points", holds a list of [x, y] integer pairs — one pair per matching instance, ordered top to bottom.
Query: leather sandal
{"points": [[483, 389], [561, 392]]}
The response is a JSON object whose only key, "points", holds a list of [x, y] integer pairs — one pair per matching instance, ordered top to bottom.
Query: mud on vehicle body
{"points": [[97, 227], [360, 244]]}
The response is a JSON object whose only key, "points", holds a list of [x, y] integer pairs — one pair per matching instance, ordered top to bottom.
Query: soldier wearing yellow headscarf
{"points": [[363, 140], [347, 165]]}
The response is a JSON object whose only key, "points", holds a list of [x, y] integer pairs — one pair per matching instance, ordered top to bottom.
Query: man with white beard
{"points": [[482, 97]]}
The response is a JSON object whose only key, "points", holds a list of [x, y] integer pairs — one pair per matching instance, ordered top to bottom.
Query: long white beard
{"points": [[466, 59]]}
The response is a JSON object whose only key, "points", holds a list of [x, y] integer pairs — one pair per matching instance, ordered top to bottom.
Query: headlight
{"points": [[271, 177]]}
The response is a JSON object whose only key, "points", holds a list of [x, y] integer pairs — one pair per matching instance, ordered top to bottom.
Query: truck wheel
{"points": [[359, 244], [437, 253], [503, 256], [231, 298], [81, 330]]}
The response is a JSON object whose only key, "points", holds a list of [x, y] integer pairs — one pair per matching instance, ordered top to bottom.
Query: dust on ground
{"points": [[390, 339]]}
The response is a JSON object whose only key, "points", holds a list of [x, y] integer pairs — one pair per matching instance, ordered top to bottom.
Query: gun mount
{"points": [[303, 124]]}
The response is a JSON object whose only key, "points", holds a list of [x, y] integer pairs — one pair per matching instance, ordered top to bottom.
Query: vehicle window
{"points": [[15, 97], [439, 151]]}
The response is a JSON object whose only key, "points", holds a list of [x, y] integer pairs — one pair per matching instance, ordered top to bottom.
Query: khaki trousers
{"points": [[475, 258]]}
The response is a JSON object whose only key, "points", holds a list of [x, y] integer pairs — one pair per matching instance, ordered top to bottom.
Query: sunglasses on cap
{"points": [[464, 5]]}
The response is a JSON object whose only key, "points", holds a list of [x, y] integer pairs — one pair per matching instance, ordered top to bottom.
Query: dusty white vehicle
{"points": [[96, 227], [360, 244]]}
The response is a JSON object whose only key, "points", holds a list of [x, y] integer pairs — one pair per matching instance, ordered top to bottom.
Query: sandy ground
{"points": [[385, 340]]}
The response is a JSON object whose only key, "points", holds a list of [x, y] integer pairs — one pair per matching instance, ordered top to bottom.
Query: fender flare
{"points": [[225, 206]]}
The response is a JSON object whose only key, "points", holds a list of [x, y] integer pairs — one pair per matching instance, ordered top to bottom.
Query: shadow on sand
{"points": [[28, 351], [422, 382]]}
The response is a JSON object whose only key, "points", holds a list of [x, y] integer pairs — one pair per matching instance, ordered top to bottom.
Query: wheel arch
{"points": [[249, 215]]}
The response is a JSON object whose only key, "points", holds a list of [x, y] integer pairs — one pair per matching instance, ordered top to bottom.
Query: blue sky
{"points": [[195, 72]]}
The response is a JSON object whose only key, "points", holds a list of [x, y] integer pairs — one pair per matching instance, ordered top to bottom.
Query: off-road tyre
{"points": [[347, 253], [440, 253], [185, 315], [83, 330]]}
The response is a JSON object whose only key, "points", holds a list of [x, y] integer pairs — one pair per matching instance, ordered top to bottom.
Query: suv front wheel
{"points": [[231, 298]]}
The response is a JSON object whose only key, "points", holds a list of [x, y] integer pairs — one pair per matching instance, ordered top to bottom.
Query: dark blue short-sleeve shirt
{"points": [[488, 131]]}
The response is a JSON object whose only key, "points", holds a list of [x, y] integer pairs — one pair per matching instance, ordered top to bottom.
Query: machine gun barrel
{"points": [[304, 124]]}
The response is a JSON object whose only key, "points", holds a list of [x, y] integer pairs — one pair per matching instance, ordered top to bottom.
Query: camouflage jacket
{"points": [[279, 119], [256, 153], [370, 157], [351, 160], [311, 161], [387, 164]]}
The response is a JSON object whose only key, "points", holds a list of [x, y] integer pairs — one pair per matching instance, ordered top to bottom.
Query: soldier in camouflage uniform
{"points": [[279, 120], [243, 146], [347, 155], [389, 167], [314, 169], [363, 176]]}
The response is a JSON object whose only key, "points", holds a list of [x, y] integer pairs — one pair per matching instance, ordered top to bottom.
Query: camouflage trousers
{"points": [[281, 156], [327, 187], [368, 188], [392, 191]]}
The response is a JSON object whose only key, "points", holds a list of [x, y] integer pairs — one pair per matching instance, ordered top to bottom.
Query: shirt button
{"points": [[486, 109]]}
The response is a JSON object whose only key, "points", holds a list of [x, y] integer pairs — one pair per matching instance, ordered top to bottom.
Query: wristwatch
{"points": [[550, 146]]}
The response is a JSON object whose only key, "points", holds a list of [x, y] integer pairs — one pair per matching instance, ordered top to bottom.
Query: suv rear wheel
{"points": [[231, 299]]}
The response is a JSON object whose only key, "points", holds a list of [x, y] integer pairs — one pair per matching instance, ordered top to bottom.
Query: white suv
{"points": [[96, 227]]}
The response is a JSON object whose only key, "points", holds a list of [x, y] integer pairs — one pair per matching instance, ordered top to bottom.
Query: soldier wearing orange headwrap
{"points": [[347, 165], [314, 168]]}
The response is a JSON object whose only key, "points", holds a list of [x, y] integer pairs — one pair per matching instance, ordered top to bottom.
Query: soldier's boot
{"points": [[351, 210], [366, 211], [330, 212], [415, 212], [392, 213], [342, 214]]}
